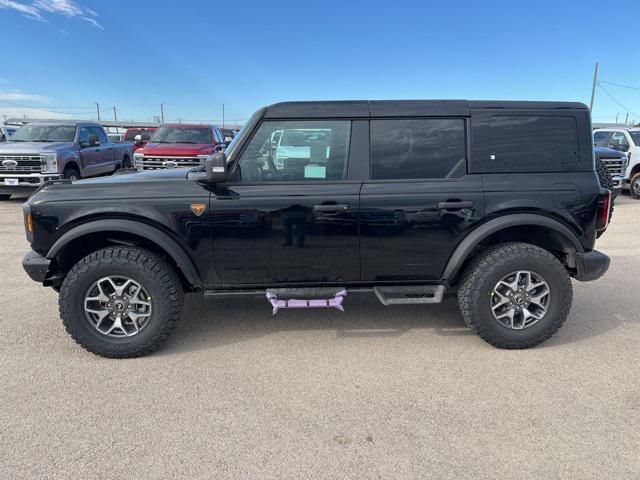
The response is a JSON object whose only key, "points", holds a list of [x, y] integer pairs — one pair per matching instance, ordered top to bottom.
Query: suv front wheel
{"points": [[515, 295], [121, 302]]}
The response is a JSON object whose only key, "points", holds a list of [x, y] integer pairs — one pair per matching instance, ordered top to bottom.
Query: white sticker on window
{"points": [[315, 171]]}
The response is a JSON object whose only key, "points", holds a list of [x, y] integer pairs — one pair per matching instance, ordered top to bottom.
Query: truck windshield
{"points": [[45, 133], [182, 135], [635, 136]]}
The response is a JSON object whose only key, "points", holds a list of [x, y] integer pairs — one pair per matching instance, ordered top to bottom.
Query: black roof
{"points": [[396, 108]]}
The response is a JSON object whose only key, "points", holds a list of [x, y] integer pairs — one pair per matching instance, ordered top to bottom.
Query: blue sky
{"points": [[196, 55]]}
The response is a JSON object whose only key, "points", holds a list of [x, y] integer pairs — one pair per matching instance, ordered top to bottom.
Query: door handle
{"points": [[455, 205], [335, 209]]}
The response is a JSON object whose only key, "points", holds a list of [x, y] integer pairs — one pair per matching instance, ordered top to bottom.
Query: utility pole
{"points": [[593, 88], [98, 110], [162, 111], [223, 115], [617, 115], [115, 118], [626, 119]]}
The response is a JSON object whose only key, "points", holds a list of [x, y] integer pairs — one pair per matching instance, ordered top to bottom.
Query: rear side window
{"points": [[534, 143], [417, 148]]}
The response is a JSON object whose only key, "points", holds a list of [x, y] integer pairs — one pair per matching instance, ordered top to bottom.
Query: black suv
{"points": [[495, 202]]}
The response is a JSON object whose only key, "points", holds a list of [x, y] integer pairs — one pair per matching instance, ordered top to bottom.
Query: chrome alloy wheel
{"points": [[520, 299], [117, 306]]}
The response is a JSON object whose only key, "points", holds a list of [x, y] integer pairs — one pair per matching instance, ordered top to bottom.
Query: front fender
{"points": [[161, 239]]}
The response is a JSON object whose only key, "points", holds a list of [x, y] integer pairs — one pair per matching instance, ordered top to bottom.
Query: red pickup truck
{"points": [[179, 145]]}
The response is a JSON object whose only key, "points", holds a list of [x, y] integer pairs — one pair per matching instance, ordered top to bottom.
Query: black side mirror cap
{"points": [[217, 168]]}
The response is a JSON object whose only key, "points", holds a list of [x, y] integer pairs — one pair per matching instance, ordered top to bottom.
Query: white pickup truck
{"points": [[625, 140]]}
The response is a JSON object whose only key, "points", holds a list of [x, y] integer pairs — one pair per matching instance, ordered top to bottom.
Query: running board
{"points": [[404, 295], [306, 298]]}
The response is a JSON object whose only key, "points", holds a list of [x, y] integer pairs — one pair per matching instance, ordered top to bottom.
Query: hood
{"points": [[33, 147], [177, 149], [609, 152], [138, 176]]}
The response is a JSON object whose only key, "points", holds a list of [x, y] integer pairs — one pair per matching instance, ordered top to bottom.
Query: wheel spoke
{"points": [[520, 299]]}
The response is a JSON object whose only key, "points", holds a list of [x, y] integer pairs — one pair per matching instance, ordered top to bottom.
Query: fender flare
{"points": [[153, 234], [465, 247]]}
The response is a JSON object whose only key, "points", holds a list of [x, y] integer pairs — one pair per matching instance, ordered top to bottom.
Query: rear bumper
{"points": [[591, 265], [36, 266]]}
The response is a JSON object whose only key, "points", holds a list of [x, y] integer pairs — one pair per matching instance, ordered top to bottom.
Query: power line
{"points": [[620, 85], [615, 100]]}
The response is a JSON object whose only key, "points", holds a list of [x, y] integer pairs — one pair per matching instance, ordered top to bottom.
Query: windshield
{"points": [[45, 133], [145, 134], [200, 135], [635, 136]]}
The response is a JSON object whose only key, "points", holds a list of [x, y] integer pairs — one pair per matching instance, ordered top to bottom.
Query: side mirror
{"points": [[138, 139], [93, 140], [217, 168]]}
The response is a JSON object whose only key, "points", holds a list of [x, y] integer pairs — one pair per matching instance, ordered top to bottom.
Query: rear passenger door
{"points": [[106, 157], [419, 198]]}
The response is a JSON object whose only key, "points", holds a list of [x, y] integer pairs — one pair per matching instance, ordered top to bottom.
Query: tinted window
{"points": [[98, 132], [45, 133], [131, 134], [83, 135], [196, 135], [635, 136], [600, 138], [528, 142], [619, 142], [423, 148], [297, 151]]}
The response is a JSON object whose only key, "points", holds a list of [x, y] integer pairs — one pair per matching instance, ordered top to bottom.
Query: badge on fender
{"points": [[198, 208]]}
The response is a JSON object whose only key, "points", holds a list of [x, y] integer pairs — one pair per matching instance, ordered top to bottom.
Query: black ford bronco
{"points": [[495, 202]]}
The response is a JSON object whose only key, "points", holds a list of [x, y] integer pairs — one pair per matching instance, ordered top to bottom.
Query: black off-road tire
{"points": [[126, 163], [71, 173], [634, 186], [4, 197], [146, 268], [480, 278]]}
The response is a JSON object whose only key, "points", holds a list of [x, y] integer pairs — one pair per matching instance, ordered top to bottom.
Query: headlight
{"points": [[137, 159], [50, 162]]}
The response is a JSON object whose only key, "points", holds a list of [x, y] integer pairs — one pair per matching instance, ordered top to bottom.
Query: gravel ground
{"points": [[375, 392]]}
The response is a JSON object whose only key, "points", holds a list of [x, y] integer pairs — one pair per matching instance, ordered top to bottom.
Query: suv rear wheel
{"points": [[515, 295], [121, 302]]}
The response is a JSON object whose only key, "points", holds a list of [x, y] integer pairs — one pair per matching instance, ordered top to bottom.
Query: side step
{"points": [[403, 295], [306, 298]]}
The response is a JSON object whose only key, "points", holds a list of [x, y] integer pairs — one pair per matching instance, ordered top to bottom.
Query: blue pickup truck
{"points": [[43, 151]]}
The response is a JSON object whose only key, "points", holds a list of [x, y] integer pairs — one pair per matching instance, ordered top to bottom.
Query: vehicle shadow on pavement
{"points": [[209, 323]]}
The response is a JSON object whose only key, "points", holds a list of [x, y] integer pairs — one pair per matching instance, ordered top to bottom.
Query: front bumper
{"points": [[27, 183], [591, 265], [36, 266]]}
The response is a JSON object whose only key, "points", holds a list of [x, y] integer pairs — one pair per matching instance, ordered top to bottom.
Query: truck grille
{"points": [[156, 163], [20, 164], [616, 166]]}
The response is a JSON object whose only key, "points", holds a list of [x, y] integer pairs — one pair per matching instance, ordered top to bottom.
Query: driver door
{"points": [[89, 154], [293, 221]]}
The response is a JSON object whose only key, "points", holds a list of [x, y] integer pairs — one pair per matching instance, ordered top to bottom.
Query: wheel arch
{"points": [[536, 229], [96, 234]]}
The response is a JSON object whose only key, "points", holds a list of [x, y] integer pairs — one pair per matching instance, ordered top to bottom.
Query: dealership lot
{"points": [[375, 392]]}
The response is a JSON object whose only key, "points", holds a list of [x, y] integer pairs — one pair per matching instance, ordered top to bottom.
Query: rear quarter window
{"points": [[533, 143]]}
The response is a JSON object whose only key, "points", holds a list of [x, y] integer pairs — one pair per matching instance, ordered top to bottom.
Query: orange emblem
{"points": [[198, 208]]}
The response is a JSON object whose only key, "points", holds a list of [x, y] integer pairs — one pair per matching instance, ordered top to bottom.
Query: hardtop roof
{"points": [[402, 108]]}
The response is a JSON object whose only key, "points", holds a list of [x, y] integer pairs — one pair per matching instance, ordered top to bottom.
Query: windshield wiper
{"points": [[42, 140], [162, 141], [188, 141]]}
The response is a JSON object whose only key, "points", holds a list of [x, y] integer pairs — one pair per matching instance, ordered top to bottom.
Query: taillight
{"points": [[605, 211]]}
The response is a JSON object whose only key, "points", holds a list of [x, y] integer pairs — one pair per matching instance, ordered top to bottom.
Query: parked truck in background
{"points": [[625, 140], [179, 145], [43, 151]]}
